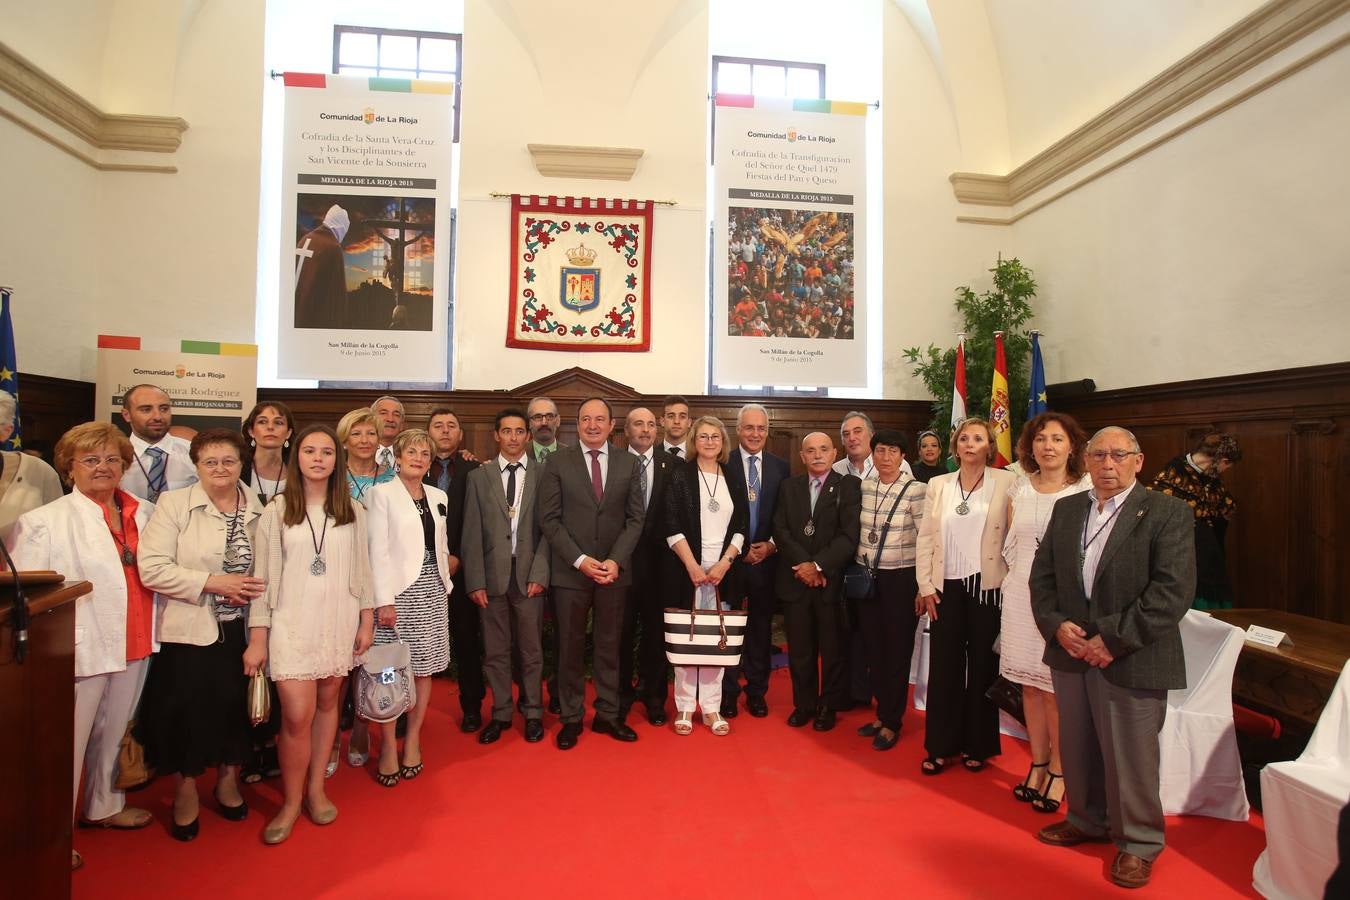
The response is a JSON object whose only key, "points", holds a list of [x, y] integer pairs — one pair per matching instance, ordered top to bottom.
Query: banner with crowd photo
{"points": [[365, 228], [580, 274], [789, 298], [211, 384]]}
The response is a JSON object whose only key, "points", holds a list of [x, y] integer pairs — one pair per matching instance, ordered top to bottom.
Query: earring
{"points": [[252, 443], [286, 443]]}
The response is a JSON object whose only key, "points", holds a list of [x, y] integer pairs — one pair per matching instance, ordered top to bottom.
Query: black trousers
{"points": [[887, 626], [815, 631], [643, 632], [466, 642], [756, 656], [962, 664]]}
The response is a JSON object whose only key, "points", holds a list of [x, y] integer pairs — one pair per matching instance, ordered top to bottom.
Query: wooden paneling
{"points": [[49, 407], [1289, 545]]}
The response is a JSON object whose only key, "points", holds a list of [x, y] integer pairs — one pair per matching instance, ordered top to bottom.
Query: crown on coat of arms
{"points": [[580, 255]]}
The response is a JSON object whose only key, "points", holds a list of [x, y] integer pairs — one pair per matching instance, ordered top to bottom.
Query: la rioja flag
{"points": [[958, 390], [998, 406]]}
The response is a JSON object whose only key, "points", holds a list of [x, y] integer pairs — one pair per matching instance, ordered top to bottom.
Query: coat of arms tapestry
{"points": [[580, 274]]}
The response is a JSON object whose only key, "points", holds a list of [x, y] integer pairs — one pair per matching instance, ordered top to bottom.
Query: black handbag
{"points": [[860, 579], [1007, 696]]}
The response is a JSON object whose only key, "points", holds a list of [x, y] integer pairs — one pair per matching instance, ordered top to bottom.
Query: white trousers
{"points": [[698, 686], [104, 704]]}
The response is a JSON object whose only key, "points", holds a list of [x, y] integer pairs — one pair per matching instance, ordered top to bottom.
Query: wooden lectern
{"points": [[37, 724]]}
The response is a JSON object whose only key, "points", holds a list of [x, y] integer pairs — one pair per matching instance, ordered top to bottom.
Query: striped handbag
{"points": [[704, 637]]}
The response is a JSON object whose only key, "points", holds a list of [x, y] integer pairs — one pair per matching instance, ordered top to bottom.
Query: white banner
{"points": [[365, 224], [789, 299], [211, 385]]}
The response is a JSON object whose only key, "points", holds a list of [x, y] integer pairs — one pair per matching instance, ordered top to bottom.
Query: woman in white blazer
{"points": [[26, 482], [93, 534], [197, 553], [409, 557], [960, 570]]}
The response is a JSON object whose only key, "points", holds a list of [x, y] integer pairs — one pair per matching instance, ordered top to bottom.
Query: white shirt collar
{"points": [[139, 444], [603, 448], [747, 455], [644, 456], [503, 462], [1114, 501]]}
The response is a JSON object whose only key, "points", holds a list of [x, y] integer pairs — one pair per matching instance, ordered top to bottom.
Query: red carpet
{"points": [[769, 811]]}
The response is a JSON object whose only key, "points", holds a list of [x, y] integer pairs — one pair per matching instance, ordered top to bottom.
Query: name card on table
{"points": [[1268, 637]]}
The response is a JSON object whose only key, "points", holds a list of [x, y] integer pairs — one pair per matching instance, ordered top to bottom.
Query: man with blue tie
{"points": [[161, 461], [762, 473]]}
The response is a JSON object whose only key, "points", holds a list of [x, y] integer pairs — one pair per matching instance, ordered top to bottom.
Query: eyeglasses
{"points": [[543, 417], [708, 437], [1099, 456], [93, 462], [229, 463]]}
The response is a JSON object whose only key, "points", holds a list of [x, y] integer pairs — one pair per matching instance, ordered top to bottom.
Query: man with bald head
{"points": [[161, 461], [815, 530], [1112, 578]]}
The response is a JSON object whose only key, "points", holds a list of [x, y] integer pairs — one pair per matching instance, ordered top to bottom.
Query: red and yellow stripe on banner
{"points": [[998, 405]]}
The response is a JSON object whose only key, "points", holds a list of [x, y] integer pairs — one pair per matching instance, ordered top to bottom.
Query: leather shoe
{"points": [[554, 706], [756, 707], [729, 709], [656, 715], [798, 718], [824, 720], [471, 722], [617, 730], [869, 730], [493, 731], [534, 731], [570, 734], [881, 742], [1067, 834], [1130, 871]]}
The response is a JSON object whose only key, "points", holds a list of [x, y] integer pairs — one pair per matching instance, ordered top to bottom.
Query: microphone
{"points": [[19, 615]]}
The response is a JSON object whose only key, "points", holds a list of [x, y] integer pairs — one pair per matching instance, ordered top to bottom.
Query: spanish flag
{"points": [[998, 405]]}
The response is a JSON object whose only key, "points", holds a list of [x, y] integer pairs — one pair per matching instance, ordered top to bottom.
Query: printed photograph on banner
{"points": [[364, 262], [790, 273]]}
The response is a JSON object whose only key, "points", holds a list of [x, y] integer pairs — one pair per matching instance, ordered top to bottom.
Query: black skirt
{"points": [[194, 714]]}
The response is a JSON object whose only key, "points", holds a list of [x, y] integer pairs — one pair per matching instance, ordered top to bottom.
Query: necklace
{"points": [[163, 477], [352, 479], [276, 484], [713, 505], [963, 507], [1036, 513], [232, 523], [872, 536], [1089, 541], [128, 556], [318, 567]]}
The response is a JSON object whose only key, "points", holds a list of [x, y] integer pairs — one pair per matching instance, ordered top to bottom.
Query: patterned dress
{"points": [[1213, 507], [423, 610]]}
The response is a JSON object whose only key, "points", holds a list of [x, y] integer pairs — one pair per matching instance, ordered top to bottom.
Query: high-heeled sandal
{"points": [[684, 723], [718, 725], [972, 764], [933, 765], [331, 769], [386, 780], [1024, 791], [1045, 803]]}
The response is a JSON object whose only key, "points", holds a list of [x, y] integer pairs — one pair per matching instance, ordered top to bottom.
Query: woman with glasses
{"points": [[707, 517], [93, 534], [197, 553], [960, 571]]}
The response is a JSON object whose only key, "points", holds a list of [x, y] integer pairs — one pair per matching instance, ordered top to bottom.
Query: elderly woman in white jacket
{"points": [[93, 534], [409, 558]]}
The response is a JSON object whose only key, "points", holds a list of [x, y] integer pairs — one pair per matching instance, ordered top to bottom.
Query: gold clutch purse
{"points": [[259, 699]]}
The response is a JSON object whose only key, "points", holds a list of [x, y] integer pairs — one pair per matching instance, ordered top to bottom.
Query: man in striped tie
{"points": [[389, 413], [161, 462]]}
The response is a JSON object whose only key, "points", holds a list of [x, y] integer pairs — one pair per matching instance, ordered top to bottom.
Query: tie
{"points": [[677, 451], [386, 456], [443, 477], [154, 479], [642, 481], [753, 481], [597, 484], [511, 485], [815, 494]]}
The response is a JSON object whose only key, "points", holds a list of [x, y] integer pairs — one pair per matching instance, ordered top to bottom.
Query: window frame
{"points": [[380, 33]]}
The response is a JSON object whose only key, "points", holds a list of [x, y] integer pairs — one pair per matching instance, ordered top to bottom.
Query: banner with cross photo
{"points": [[580, 274]]}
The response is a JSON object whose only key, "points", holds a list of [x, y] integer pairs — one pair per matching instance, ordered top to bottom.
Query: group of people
{"points": [[790, 274], [293, 551]]}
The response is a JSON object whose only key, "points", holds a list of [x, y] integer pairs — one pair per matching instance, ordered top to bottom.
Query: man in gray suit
{"points": [[591, 513], [504, 575], [1111, 580]]}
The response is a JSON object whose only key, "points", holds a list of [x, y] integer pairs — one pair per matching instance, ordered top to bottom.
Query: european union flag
{"points": [[9, 368], [1036, 396]]}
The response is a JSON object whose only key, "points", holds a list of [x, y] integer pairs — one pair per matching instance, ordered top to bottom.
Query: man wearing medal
{"points": [[160, 461], [815, 528], [1112, 578]]}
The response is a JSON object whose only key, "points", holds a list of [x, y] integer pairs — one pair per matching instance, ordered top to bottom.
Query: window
{"points": [[394, 53], [764, 78]]}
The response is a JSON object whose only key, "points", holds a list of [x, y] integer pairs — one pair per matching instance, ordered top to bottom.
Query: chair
{"points": [[1200, 772], [1301, 801]]}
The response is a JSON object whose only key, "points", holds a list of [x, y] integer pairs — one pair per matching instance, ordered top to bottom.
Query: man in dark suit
{"points": [[544, 421], [449, 471], [758, 474], [590, 509], [815, 526], [504, 577], [1111, 580], [644, 610]]}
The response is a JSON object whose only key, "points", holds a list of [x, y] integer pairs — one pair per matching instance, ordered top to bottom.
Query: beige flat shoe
{"points": [[684, 723], [718, 725], [324, 815], [129, 819], [276, 834], [76, 860]]}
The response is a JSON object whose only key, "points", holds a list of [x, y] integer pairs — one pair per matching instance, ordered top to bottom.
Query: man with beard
{"points": [[543, 414], [161, 461]]}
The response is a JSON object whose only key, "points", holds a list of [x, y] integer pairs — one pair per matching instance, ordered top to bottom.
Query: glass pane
{"points": [[357, 49], [398, 51], [437, 54], [357, 71], [397, 73], [436, 76], [733, 78], [770, 81], [803, 83]]}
